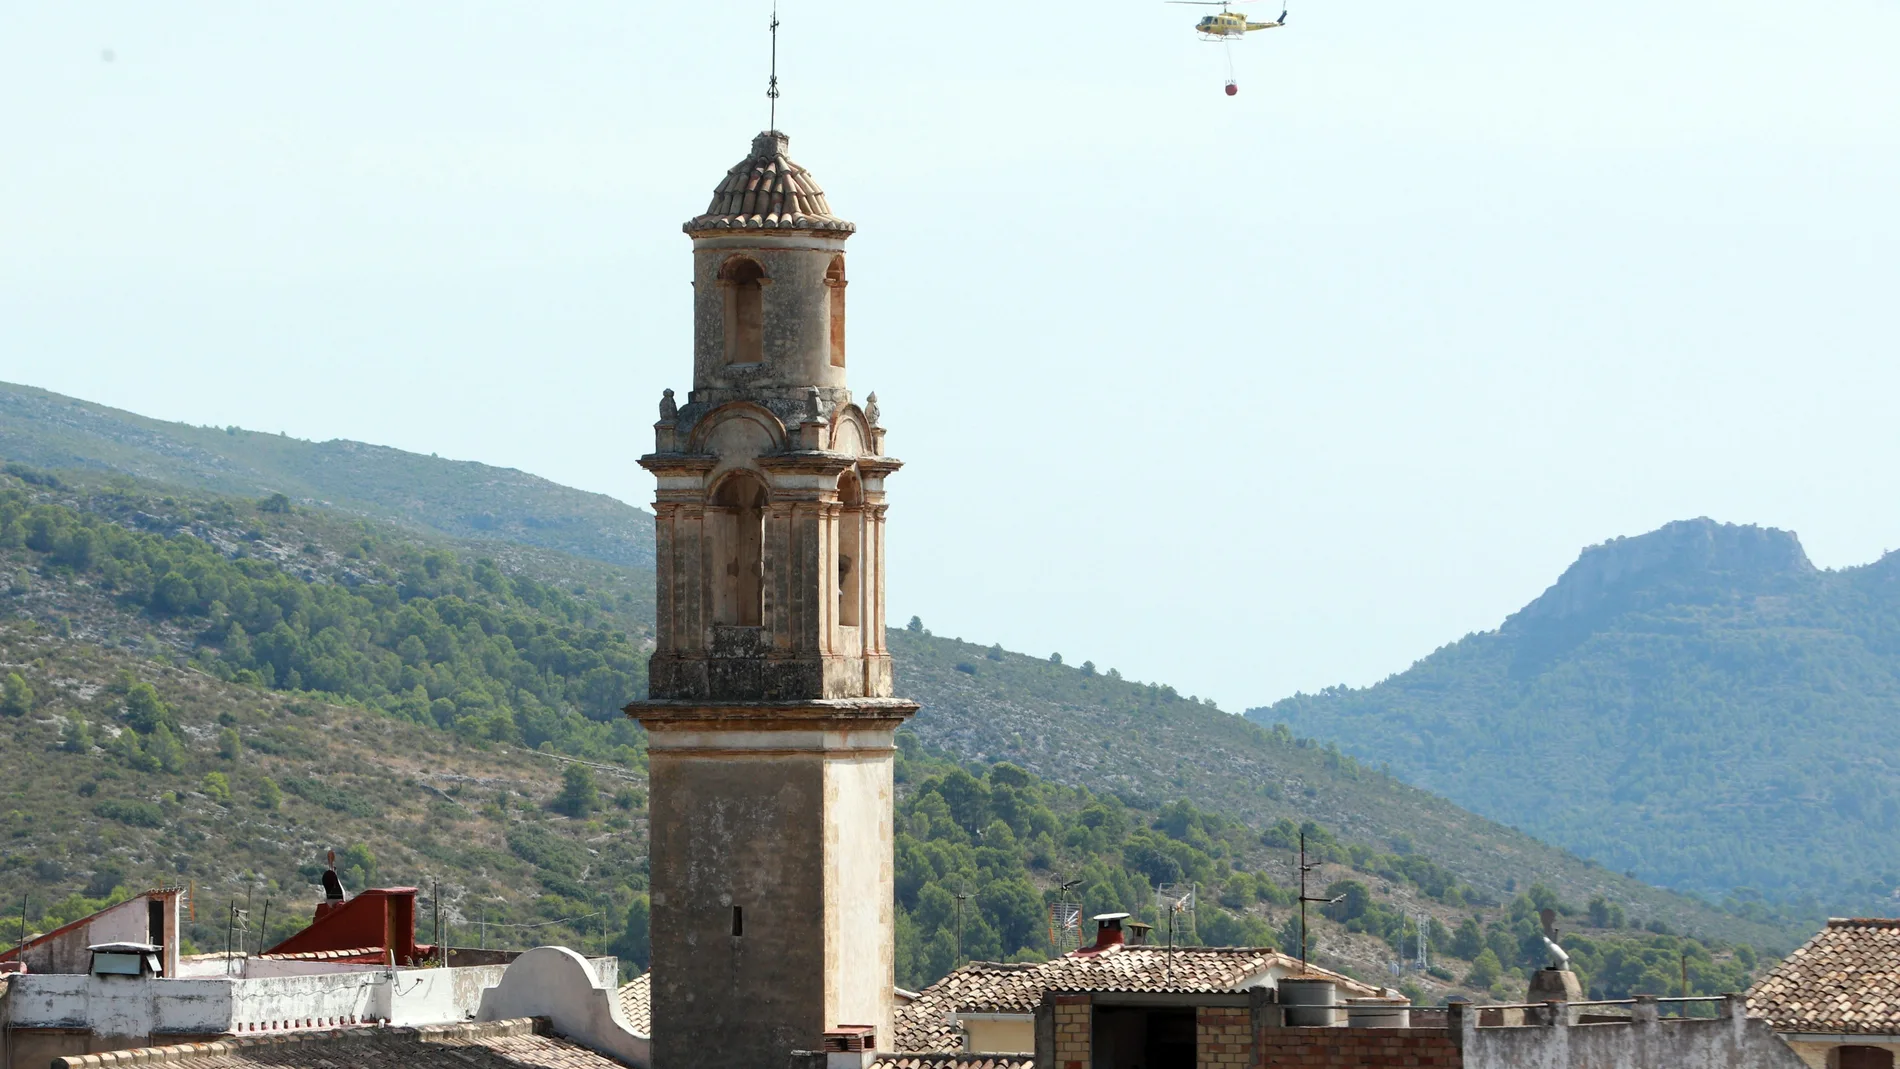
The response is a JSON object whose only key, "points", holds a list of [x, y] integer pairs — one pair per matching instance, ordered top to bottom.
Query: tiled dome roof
{"points": [[767, 191]]}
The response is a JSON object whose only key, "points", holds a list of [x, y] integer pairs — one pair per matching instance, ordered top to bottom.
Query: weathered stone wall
{"points": [[797, 305], [736, 831], [860, 892], [1731, 1041]]}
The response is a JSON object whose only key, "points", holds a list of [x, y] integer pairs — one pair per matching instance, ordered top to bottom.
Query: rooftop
{"points": [[767, 191], [1845, 980], [636, 1003], [926, 1024], [526, 1042], [946, 1060]]}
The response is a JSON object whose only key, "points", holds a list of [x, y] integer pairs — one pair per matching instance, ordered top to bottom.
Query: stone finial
{"points": [[817, 404], [669, 409], [870, 409]]}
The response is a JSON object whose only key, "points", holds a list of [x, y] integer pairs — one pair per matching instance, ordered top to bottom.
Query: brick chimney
{"points": [[1108, 930]]}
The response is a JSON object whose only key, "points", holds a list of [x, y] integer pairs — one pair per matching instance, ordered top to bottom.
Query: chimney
{"points": [[1108, 930], [1138, 933], [849, 1046]]}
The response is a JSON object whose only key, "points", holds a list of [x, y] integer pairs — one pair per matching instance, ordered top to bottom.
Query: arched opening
{"points": [[743, 281], [834, 283], [736, 522], [851, 542], [1860, 1058]]}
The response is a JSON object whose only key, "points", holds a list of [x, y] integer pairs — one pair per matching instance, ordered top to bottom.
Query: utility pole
{"points": [[960, 896]]}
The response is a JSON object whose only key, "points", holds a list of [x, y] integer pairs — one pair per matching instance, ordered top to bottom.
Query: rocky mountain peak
{"points": [[1691, 560]]}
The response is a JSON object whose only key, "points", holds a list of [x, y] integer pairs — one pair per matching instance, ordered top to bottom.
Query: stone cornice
{"points": [[808, 462], [679, 463], [821, 714]]}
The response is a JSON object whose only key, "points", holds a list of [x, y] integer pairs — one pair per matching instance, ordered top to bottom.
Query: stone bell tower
{"points": [[769, 711]]}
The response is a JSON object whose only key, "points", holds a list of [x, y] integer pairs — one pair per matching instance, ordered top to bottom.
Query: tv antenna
{"points": [[771, 89], [1305, 898], [1175, 901], [1065, 916]]}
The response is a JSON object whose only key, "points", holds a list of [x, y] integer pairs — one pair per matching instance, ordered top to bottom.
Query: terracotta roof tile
{"points": [[767, 191], [1844, 980], [636, 1003], [926, 1024], [519, 1044], [954, 1061]]}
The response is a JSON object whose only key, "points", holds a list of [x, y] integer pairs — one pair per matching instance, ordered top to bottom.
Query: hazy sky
{"points": [[1247, 395]]}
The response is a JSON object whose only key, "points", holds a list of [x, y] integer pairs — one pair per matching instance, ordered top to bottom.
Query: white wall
{"points": [[556, 983], [1728, 1042]]}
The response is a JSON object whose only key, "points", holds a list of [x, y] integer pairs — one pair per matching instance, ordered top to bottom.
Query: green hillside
{"points": [[458, 499], [216, 691], [1698, 705], [1140, 743]]}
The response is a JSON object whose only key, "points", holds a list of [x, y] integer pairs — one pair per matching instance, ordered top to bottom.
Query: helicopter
{"points": [[1228, 27]]}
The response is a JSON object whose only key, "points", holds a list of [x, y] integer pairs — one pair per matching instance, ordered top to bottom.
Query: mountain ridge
{"points": [[460, 499], [1699, 704]]}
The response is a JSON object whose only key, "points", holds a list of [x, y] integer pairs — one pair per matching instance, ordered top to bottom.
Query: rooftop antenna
{"points": [[771, 90], [1305, 898], [1175, 900], [1065, 916]]}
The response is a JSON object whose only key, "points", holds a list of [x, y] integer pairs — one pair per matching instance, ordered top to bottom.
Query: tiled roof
{"points": [[767, 191], [358, 955], [1844, 980], [636, 1003], [926, 1024], [518, 1044], [954, 1061]]}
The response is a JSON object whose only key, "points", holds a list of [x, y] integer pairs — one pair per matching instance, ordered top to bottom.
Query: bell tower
{"points": [[769, 706]]}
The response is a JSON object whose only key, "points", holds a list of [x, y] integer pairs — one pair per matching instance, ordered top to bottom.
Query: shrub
{"points": [[125, 811]]}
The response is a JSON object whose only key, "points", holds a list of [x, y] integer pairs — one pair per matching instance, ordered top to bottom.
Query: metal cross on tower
{"points": [[771, 89]]}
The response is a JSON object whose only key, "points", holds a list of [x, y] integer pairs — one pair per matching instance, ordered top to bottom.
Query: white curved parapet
{"points": [[562, 986]]}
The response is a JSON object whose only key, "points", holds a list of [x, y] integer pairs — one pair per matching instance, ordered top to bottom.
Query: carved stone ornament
{"points": [[669, 409], [870, 409], [818, 414]]}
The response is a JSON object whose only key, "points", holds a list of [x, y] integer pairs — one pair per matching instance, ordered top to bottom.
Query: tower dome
{"points": [[767, 191]]}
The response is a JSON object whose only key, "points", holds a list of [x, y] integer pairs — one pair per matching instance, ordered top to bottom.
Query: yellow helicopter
{"points": [[1228, 24], [1228, 27]]}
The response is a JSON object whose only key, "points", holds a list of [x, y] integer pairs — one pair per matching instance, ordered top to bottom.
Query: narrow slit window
{"points": [[744, 283], [834, 283], [738, 920]]}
